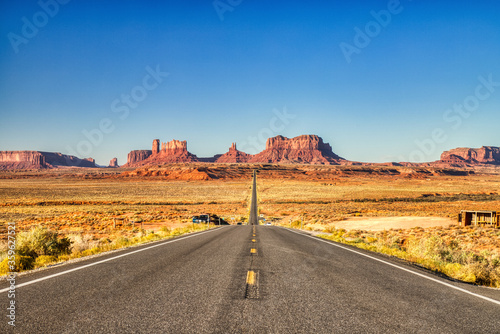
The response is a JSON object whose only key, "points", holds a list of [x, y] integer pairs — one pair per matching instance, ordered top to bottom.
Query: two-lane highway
{"points": [[199, 285]]}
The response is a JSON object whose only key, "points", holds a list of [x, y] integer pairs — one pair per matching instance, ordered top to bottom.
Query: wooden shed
{"points": [[479, 218]]}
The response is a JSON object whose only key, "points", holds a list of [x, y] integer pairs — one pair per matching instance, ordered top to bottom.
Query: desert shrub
{"points": [[329, 229], [165, 230], [339, 233], [151, 237], [357, 240], [40, 241], [104, 241], [82, 242], [121, 242], [40, 247], [91, 251], [44, 260], [21, 263]]}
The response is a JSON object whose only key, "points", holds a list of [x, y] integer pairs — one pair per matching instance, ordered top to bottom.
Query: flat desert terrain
{"points": [[350, 197]]}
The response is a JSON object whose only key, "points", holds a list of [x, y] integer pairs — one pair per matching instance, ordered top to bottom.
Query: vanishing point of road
{"points": [[253, 218], [247, 279]]}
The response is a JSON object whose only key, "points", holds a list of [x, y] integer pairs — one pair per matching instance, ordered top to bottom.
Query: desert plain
{"points": [[94, 207]]}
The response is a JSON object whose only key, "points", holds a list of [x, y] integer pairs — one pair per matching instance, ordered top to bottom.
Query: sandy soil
{"points": [[386, 223]]}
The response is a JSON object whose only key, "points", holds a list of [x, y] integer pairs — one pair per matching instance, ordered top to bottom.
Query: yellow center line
{"points": [[253, 240], [253, 251], [251, 277]]}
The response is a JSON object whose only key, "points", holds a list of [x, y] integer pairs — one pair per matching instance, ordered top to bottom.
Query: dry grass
{"points": [[32, 251], [467, 254]]}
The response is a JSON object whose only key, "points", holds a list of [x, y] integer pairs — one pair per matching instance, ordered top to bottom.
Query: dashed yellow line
{"points": [[253, 240], [253, 251], [251, 277], [252, 286]]}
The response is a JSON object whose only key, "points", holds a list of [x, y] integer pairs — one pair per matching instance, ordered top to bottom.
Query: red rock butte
{"points": [[306, 149], [174, 151], [233, 156], [472, 156], [38, 160], [113, 163]]}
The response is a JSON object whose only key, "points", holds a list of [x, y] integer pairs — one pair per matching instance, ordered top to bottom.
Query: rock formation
{"points": [[156, 146], [174, 147], [308, 149], [174, 151], [137, 156], [234, 156], [472, 156], [58, 159], [22, 160], [37, 160], [113, 163]]}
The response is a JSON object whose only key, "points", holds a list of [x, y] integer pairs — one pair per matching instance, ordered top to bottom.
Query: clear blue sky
{"points": [[232, 68]]}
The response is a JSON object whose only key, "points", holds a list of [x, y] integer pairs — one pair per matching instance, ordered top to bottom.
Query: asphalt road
{"points": [[254, 212], [200, 284]]}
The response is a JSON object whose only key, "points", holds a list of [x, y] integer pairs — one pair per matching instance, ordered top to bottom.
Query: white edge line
{"points": [[106, 260], [396, 266]]}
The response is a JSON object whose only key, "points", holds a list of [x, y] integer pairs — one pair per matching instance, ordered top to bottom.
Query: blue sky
{"points": [[234, 66]]}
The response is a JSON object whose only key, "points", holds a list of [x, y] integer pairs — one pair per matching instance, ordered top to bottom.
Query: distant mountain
{"points": [[307, 149], [174, 151], [234, 156], [462, 156], [38, 160]]}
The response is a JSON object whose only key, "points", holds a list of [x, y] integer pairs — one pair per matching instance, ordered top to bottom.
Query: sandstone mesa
{"points": [[305, 149], [472, 156], [38, 160]]}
